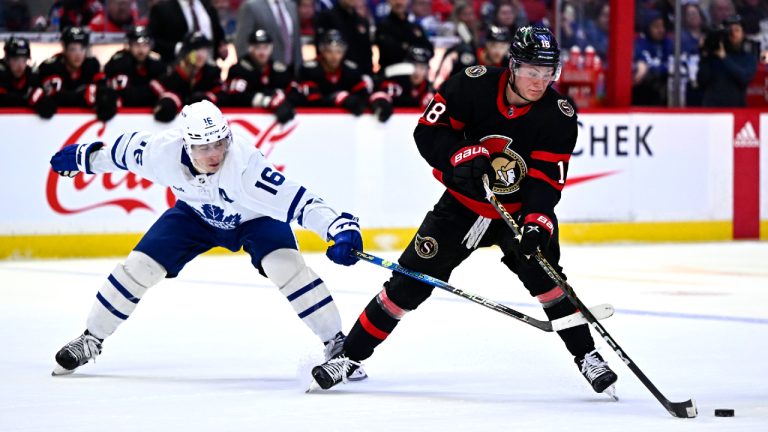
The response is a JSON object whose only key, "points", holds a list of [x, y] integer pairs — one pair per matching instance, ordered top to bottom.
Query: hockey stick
{"points": [[601, 311], [685, 409]]}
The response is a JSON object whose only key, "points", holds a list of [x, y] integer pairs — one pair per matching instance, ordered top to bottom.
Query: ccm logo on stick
{"points": [[468, 153]]}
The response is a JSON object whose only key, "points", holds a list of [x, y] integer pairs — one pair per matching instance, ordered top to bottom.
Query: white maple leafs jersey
{"points": [[245, 187]]}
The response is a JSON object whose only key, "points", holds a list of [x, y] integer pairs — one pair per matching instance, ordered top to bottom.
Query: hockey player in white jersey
{"points": [[228, 195]]}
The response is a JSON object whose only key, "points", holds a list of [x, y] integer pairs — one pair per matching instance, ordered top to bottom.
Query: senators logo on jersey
{"points": [[509, 166], [426, 247]]}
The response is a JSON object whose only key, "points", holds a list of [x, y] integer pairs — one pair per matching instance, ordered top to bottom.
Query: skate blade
{"points": [[60, 371], [313, 386], [611, 391]]}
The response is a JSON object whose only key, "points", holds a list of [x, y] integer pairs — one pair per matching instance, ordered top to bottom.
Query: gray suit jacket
{"points": [[257, 14]]}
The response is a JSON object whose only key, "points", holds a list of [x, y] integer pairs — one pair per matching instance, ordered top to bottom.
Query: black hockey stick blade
{"points": [[685, 409]]}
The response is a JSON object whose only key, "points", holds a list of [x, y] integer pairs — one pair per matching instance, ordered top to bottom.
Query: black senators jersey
{"points": [[246, 79], [137, 84], [179, 85], [316, 87], [70, 89], [14, 92], [404, 93], [529, 146]]}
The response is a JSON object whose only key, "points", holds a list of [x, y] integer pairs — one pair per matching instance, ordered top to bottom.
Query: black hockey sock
{"points": [[370, 329], [577, 339]]}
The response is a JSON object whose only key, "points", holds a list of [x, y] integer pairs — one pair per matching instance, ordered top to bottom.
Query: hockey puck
{"points": [[724, 413]]}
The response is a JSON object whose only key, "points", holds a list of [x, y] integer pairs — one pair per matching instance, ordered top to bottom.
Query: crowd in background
{"points": [[171, 47]]}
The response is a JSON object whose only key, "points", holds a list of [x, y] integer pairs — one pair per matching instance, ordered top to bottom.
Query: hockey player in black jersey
{"points": [[493, 53], [134, 72], [16, 74], [72, 77], [192, 79], [259, 81], [331, 81], [407, 83], [508, 124]]}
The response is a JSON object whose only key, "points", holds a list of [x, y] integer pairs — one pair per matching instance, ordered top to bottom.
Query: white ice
{"points": [[219, 349]]}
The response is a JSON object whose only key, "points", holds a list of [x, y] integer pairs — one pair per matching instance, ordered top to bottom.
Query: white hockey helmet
{"points": [[203, 123]]}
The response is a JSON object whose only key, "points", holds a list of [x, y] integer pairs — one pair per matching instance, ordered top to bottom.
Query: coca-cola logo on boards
{"points": [[125, 189]]}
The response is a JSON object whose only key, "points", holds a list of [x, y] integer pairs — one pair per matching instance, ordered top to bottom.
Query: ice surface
{"points": [[219, 349]]}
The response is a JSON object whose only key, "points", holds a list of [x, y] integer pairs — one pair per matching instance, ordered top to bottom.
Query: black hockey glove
{"points": [[106, 103], [354, 104], [45, 107], [382, 108], [165, 110], [285, 112], [470, 163], [536, 231]]}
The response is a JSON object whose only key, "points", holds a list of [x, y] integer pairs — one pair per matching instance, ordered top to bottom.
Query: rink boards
{"points": [[634, 176]]}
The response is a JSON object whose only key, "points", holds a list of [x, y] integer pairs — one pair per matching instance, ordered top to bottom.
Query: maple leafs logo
{"points": [[215, 217]]}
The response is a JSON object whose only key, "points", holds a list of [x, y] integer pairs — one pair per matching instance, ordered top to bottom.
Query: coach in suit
{"points": [[280, 19], [171, 20]]}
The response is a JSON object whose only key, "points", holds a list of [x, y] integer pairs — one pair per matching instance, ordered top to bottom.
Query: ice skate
{"points": [[335, 346], [76, 353], [334, 371], [597, 373]]}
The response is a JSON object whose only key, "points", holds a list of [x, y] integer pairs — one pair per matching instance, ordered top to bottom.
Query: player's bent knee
{"points": [[282, 265], [143, 269], [407, 293], [551, 297]]}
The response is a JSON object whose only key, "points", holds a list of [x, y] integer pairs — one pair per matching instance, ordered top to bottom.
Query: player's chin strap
{"points": [[511, 82], [686, 409]]}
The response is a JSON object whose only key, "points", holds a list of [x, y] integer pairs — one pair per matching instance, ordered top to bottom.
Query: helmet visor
{"points": [[547, 74]]}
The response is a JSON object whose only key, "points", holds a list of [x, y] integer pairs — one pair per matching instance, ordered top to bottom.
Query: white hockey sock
{"points": [[121, 292], [306, 292]]}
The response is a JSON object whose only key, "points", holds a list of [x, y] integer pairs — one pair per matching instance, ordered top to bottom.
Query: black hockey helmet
{"points": [[138, 34], [498, 34], [72, 35], [260, 36], [331, 37], [194, 41], [535, 46], [17, 47], [417, 54]]}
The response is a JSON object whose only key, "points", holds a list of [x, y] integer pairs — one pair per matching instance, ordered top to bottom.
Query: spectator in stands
{"points": [[721, 10], [536, 11], [69, 13], [306, 13], [422, 14], [509, 14], [15, 16], [119, 16], [227, 16], [279, 18], [754, 19], [171, 20], [466, 24], [354, 29], [572, 32], [596, 32], [396, 35], [691, 39], [461, 56], [651, 63], [728, 64], [135, 71], [15, 74], [71, 78], [192, 79], [258, 80], [331, 81], [407, 84]]}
